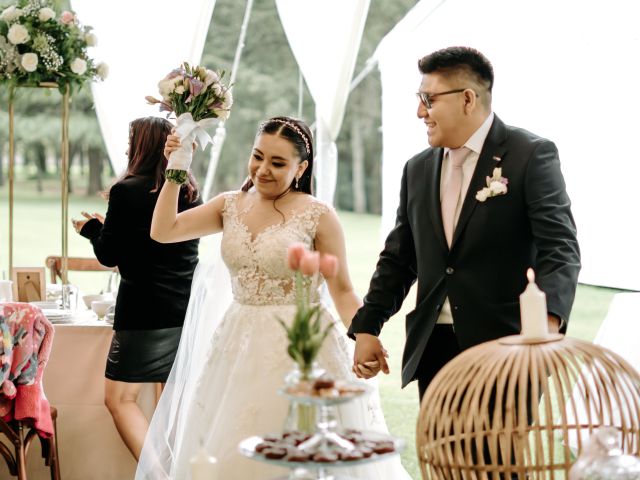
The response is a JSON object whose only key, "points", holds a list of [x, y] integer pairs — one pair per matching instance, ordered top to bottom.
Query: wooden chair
{"points": [[54, 263], [21, 434]]}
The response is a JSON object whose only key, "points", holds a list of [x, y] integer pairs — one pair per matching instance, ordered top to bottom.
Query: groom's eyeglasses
{"points": [[426, 98]]}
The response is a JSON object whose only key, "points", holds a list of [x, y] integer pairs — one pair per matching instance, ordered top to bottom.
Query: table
{"points": [[88, 442]]}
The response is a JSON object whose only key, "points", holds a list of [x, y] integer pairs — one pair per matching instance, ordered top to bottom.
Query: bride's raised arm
{"points": [[168, 226], [330, 239]]}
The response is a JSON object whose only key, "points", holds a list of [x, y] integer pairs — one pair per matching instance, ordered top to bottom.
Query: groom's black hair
{"points": [[459, 59]]}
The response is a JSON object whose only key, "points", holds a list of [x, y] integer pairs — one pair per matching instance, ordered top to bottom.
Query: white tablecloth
{"points": [[88, 442]]}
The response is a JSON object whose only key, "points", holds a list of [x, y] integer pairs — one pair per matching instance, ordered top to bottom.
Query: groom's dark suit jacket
{"points": [[494, 243]]}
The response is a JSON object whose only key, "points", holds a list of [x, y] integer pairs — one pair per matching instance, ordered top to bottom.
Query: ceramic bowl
{"points": [[88, 299], [100, 307]]}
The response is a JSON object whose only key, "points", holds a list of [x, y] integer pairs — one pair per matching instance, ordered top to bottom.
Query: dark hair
{"points": [[459, 59], [299, 135], [147, 137]]}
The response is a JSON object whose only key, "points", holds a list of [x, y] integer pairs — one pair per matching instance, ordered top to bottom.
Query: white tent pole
{"points": [[220, 130]]}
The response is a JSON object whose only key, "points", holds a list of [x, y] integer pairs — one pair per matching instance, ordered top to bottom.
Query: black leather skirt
{"points": [[142, 356]]}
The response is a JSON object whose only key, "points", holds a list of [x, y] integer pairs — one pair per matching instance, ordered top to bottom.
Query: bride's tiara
{"points": [[296, 129]]}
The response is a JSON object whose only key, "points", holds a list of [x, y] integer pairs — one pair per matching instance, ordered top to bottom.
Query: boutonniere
{"points": [[496, 185]]}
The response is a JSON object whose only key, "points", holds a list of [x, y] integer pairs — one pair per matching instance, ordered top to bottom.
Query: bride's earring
{"points": [[297, 183]]}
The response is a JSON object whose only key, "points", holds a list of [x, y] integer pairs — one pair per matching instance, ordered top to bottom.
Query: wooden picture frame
{"points": [[29, 284]]}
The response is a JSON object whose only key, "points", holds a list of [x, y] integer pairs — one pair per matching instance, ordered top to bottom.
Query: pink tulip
{"points": [[294, 253], [310, 263], [329, 266]]}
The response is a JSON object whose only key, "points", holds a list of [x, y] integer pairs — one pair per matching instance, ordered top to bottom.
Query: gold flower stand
{"points": [[66, 99], [522, 408]]}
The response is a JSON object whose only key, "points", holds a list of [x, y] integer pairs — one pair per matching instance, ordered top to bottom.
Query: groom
{"points": [[467, 244]]}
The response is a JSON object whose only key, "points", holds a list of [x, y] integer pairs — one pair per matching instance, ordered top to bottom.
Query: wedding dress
{"points": [[231, 390]]}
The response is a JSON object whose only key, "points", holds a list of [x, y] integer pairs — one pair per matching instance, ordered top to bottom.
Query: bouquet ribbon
{"points": [[189, 131]]}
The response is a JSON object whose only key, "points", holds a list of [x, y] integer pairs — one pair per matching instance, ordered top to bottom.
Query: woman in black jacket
{"points": [[155, 278]]}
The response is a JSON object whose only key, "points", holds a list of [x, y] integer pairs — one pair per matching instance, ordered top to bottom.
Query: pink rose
{"points": [[67, 17], [294, 253], [310, 263], [329, 266]]}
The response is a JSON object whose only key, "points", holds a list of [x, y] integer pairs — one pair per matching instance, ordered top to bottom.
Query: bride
{"points": [[224, 383]]}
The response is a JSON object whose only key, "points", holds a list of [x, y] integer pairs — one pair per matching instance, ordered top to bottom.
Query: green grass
{"points": [[37, 233]]}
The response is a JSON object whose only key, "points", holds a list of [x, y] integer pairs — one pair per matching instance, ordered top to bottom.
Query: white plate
{"points": [[58, 316]]}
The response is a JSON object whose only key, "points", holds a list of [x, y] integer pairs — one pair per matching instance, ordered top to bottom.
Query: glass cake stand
{"points": [[310, 470]]}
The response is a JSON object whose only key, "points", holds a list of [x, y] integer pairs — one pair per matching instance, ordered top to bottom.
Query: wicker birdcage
{"points": [[523, 408]]}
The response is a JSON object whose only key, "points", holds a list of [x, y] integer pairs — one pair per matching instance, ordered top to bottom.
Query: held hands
{"points": [[78, 224], [370, 356]]}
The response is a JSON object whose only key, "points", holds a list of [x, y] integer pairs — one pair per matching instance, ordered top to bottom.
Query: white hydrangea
{"points": [[10, 14], [45, 14], [18, 34], [91, 39], [29, 62], [79, 66], [102, 70], [497, 188], [483, 194]]}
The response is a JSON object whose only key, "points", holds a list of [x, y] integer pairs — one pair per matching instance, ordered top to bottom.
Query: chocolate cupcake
{"points": [[384, 447], [274, 453], [298, 456], [351, 456], [325, 457]]}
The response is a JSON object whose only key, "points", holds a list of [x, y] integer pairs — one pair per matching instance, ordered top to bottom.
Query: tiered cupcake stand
{"points": [[314, 456]]}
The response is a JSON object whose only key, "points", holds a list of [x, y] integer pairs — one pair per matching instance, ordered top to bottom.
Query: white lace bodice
{"points": [[258, 267]]}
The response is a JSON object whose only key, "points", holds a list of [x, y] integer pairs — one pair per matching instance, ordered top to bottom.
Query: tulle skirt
{"points": [[236, 395]]}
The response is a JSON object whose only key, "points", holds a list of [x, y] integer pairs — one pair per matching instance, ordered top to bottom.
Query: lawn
{"points": [[37, 234]]}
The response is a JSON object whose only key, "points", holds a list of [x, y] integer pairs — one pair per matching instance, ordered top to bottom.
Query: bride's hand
{"points": [[171, 145], [369, 352]]}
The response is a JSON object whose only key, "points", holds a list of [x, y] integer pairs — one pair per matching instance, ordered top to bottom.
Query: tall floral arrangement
{"points": [[38, 45], [199, 99], [306, 333]]}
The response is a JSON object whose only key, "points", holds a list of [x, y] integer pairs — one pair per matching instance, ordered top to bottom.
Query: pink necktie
{"points": [[452, 189]]}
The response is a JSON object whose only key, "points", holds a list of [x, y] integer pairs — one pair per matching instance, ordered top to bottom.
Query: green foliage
{"points": [[306, 333]]}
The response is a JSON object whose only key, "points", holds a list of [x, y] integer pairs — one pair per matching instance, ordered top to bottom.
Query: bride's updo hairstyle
{"points": [[299, 135]]}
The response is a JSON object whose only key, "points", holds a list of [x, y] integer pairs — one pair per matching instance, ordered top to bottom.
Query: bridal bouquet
{"points": [[38, 45], [199, 100], [306, 333]]}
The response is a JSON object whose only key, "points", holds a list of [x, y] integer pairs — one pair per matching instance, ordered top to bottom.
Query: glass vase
{"points": [[300, 417]]}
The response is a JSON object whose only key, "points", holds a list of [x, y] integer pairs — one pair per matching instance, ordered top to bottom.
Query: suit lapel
{"points": [[493, 147], [433, 173]]}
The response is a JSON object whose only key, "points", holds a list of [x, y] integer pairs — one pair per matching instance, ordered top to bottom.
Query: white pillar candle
{"points": [[533, 310], [203, 466]]}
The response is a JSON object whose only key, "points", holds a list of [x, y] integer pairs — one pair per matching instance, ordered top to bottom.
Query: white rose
{"points": [[46, 13], [10, 14], [18, 34], [91, 39], [29, 62], [79, 66], [102, 70], [211, 77], [165, 87], [179, 89], [228, 100], [221, 113], [497, 172], [497, 188], [483, 194]]}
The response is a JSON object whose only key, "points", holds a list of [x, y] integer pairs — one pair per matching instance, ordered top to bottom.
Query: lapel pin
{"points": [[496, 158]]}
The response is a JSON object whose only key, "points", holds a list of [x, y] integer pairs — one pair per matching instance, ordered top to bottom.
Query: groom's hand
{"points": [[368, 349]]}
